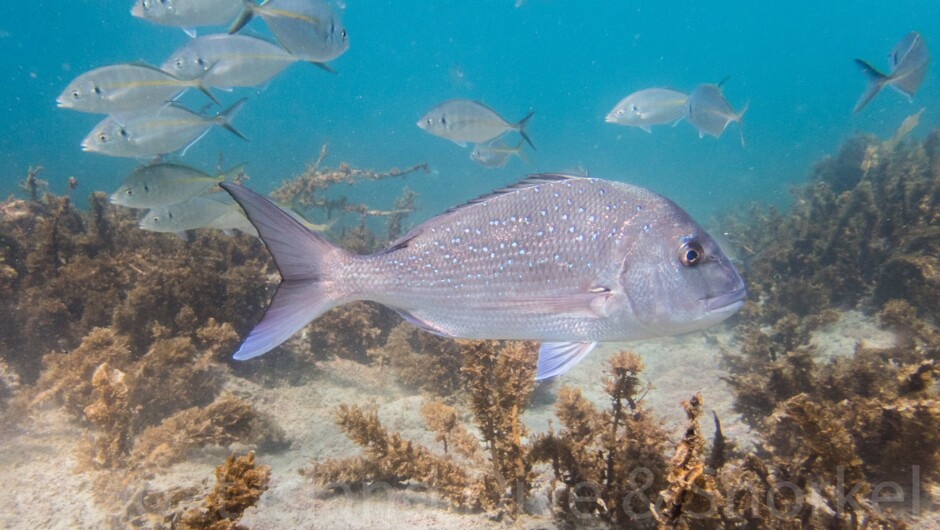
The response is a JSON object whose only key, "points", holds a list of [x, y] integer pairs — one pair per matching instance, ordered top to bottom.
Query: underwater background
{"points": [[570, 62], [816, 406]]}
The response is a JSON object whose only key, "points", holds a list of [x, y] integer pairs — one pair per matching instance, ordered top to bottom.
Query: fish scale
{"points": [[490, 253], [566, 260]]}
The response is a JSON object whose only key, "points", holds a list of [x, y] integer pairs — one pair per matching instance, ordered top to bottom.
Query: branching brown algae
{"points": [[130, 333]]}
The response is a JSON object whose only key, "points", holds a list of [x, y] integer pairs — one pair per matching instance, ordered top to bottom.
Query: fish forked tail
{"points": [[248, 13], [876, 81], [200, 84], [224, 119], [740, 119], [520, 126], [519, 152], [231, 174], [300, 256]]}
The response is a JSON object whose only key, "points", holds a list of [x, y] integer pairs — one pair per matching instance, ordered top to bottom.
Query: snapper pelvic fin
{"points": [[556, 358]]}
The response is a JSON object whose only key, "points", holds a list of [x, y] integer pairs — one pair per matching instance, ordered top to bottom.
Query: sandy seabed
{"points": [[42, 490]]}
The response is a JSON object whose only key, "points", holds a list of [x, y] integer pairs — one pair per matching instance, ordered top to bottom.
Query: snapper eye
{"points": [[691, 254]]}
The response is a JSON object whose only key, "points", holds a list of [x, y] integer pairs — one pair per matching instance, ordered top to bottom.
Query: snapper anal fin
{"points": [[556, 358]]}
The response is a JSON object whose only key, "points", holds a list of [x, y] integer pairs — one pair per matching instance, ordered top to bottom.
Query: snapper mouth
{"points": [[725, 301]]}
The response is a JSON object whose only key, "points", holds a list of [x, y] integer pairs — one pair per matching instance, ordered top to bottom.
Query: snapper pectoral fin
{"points": [[593, 304], [556, 358]]}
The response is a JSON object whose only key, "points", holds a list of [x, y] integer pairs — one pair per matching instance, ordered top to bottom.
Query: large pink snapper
{"points": [[566, 260]]}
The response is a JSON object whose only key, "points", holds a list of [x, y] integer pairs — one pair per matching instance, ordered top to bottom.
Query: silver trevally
{"points": [[189, 13], [309, 29], [226, 61], [908, 64], [123, 88], [651, 106], [709, 112], [464, 120], [155, 132], [495, 153], [164, 184], [225, 198], [198, 212], [566, 260]]}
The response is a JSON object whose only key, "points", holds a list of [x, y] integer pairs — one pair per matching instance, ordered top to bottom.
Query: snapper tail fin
{"points": [[876, 81], [520, 126], [300, 256]]}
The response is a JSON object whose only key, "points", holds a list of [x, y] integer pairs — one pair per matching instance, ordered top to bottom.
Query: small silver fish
{"points": [[188, 13], [309, 29], [226, 61], [908, 64], [125, 87], [652, 106], [709, 112], [463, 120], [156, 132], [495, 153], [165, 184], [198, 212], [565, 260]]}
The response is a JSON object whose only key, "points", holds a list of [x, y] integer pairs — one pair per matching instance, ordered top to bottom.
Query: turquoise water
{"points": [[569, 61]]}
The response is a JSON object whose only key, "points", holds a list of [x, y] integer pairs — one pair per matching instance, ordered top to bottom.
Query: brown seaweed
{"points": [[307, 189], [863, 234], [66, 272], [421, 359], [499, 378], [111, 413], [222, 423], [392, 460], [610, 463], [239, 483]]}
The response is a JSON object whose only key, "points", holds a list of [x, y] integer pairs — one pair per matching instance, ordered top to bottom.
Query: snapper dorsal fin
{"points": [[530, 181]]}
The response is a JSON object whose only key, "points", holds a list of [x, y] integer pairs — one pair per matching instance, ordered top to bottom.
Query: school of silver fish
{"points": [[566, 260]]}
